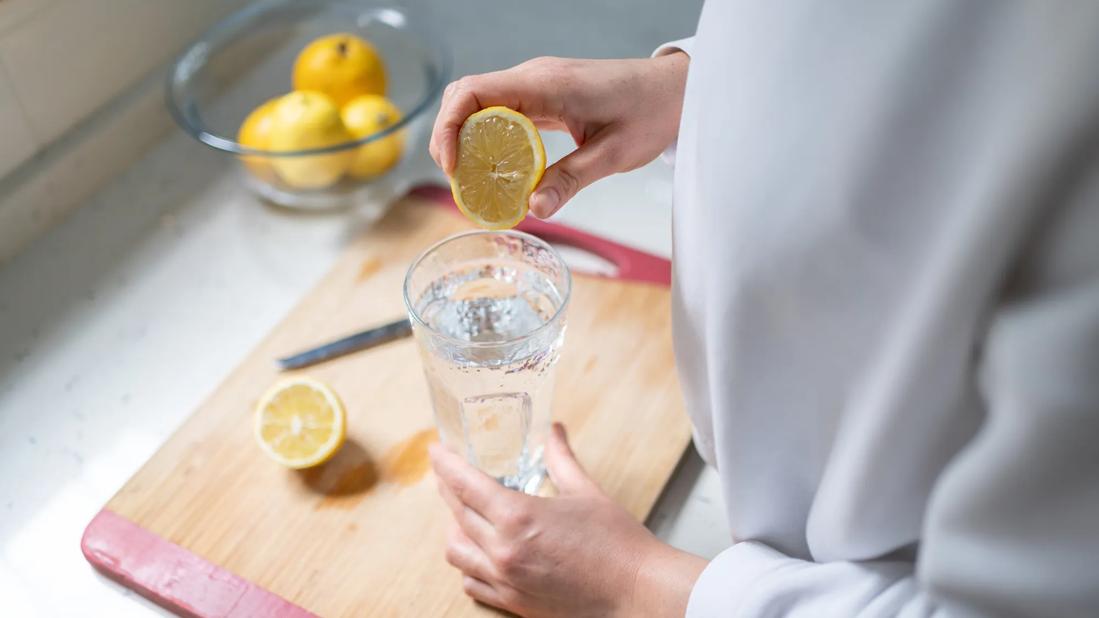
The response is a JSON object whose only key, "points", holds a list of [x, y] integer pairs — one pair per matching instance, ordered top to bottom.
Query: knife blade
{"points": [[352, 343]]}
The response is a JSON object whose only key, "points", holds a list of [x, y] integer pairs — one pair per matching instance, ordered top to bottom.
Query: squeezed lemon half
{"points": [[501, 159], [300, 422]]}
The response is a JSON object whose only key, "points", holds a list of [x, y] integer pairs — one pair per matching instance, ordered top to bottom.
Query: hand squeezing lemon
{"points": [[500, 161]]}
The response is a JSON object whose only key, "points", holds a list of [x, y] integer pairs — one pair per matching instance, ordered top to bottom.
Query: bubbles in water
{"points": [[489, 303], [493, 401]]}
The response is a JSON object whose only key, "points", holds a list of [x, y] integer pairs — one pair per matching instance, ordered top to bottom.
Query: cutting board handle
{"points": [[630, 264]]}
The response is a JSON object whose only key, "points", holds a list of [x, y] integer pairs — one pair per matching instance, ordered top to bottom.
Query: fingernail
{"points": [[545, 201], [560, 429]]}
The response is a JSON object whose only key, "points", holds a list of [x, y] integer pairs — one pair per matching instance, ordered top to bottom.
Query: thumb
{"points": [[578, 169], [567, 473]]}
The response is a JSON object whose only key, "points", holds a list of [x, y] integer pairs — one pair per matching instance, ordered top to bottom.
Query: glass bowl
{"points": [[247, 58]]}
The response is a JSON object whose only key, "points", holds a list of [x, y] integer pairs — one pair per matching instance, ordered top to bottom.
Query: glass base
{"points": [[529, 482]]}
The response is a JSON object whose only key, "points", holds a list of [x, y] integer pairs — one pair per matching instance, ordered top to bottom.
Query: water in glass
{"points": [[489, 318]]}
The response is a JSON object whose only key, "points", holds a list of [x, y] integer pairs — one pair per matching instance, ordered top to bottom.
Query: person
{"points": [[886, 313]]}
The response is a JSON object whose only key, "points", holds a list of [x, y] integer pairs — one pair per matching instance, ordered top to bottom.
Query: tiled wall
{"points": [[60, 60]]}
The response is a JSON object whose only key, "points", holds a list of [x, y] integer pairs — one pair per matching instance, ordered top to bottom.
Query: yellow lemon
{"points": [[343, 66], [366, 115], [305, 120], [255, 132], [500, 161], [300, 423]]}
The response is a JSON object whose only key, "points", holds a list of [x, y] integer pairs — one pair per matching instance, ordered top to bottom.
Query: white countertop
{"points": [[120, 321]]}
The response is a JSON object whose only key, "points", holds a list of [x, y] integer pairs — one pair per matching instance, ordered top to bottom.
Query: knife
{"points": [[353, 343]]}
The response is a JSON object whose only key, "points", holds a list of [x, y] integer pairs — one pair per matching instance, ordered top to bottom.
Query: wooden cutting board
{"points": [[210, 527]]}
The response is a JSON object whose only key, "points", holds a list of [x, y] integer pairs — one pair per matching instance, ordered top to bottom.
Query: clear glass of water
{"points": [[488, 312]]}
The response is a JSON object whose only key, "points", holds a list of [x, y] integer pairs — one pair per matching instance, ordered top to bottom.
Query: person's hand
{"points": [[621, 114], [577, 554]]}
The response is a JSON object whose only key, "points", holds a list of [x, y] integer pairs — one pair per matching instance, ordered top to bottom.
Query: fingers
{"points": [[516, 88], [460, 99], [551, 124], [593, 160], [564, 469], [470, 486], [475, 527], [465, 555], [480, 579], [484, 592]]}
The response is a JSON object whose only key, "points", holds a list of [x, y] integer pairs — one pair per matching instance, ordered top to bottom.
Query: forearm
{"points": [[664, 580]]}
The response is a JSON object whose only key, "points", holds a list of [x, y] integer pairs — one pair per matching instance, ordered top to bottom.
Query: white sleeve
{"points": [[685, 45], [1012, 526], [751, 579]]}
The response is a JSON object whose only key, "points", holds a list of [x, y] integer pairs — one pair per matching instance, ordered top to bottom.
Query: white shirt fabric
{"points": [[886, 284]]}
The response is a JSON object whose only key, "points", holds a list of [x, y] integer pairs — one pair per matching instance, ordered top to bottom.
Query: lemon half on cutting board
{"points": [[500, 161], [300, 423]]}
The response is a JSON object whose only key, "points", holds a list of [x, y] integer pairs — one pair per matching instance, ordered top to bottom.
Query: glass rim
{"points": [[557, 315]]}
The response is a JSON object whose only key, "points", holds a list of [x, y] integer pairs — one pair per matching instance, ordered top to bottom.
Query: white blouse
{"points": [[887, 304]]}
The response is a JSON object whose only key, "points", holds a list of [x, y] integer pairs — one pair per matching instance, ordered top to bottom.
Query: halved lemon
{"points": [[500, 161], [300, 422]]}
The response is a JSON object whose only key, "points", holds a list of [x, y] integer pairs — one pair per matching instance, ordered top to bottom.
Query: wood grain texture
{"points": [[363, 535]]}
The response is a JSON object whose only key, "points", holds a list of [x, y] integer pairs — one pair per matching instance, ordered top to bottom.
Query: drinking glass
{"points": [[488, 312]]}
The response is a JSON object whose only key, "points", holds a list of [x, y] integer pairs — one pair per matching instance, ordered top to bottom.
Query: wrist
{"points": [[670, 70], [666, 84], [663, 582]]}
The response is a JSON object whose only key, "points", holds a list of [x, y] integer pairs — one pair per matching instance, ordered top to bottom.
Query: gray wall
{"points": [[490, 34]]}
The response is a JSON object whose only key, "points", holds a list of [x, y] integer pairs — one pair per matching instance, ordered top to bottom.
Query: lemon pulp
{"points": [[500, 161], [300, 423]]}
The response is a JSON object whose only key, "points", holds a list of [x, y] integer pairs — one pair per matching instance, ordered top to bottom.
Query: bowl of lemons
{"points": [[320, 101]]}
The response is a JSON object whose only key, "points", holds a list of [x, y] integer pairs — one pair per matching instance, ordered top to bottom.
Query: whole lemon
{"points": [[343, 66], [366, 115], [302, 121], [255, 132]]}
